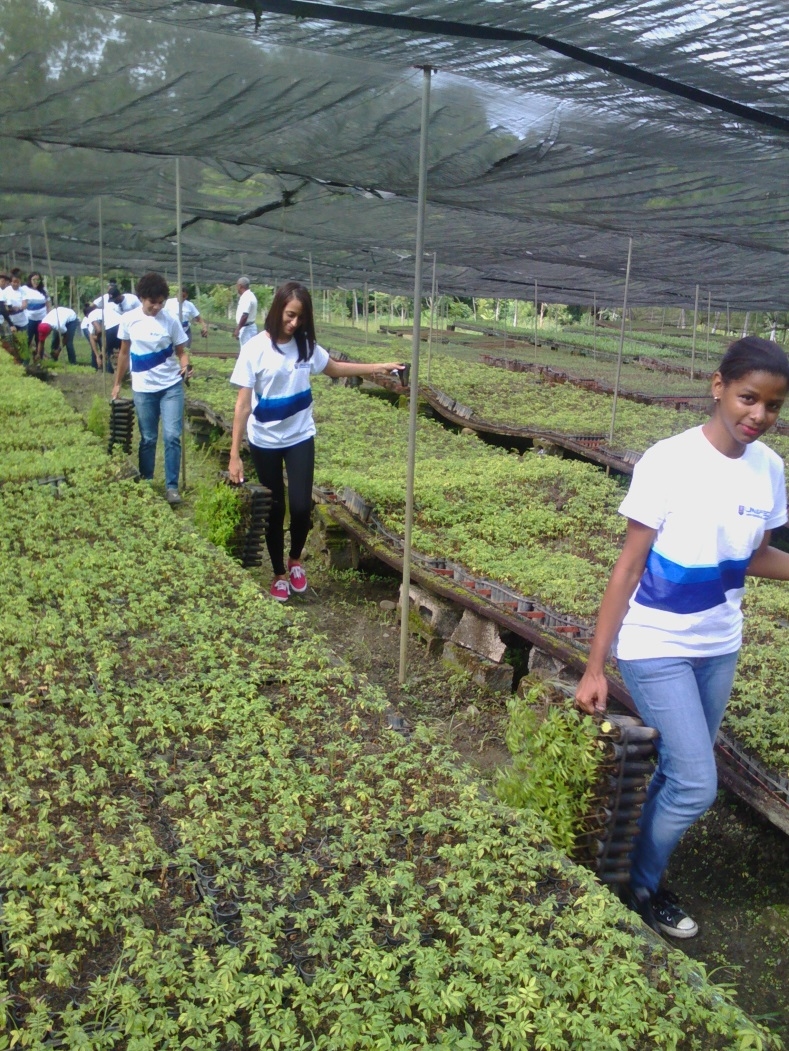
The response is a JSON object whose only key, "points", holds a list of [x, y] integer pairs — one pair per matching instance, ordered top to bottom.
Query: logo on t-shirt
{"points": [[753, 512]]}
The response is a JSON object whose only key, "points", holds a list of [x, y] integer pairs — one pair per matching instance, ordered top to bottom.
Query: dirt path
{"points": [[731, 870]]}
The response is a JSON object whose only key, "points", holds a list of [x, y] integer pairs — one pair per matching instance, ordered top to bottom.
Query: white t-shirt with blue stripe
{"points": [[152, 343], [280, 391], [710, 512]]}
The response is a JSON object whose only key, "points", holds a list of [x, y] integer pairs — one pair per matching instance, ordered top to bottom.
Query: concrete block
{"points": [[439, 616], [480, 635], [493, 675]]}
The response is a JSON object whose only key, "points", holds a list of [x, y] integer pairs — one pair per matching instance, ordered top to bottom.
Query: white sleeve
{"points": [[123, 329], [177, 334], [319, 359], [244, 374], [647, 499], [778, 517]]}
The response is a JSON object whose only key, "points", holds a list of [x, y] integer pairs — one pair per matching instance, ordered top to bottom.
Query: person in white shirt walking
{"points": [[246, 312], [186, 315], [153, 343], [274, 412], [700, 510]]}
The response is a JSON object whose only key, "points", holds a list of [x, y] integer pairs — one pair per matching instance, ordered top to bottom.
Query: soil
{"points": [[730, 870]]}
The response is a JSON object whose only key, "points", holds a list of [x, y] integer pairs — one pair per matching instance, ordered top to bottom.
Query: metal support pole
{"points": [[179, 281], [52, 283], [432, 317], [621, 341], [693, 341], [409, 495]]}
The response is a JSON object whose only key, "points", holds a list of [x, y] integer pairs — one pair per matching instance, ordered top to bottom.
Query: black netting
{"points": [[300, 138]]}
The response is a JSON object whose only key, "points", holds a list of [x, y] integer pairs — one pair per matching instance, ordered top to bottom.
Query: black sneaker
{"points": [[662, 912]]}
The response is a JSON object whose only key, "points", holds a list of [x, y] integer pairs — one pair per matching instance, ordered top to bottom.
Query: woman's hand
{"points": [[116, 389], [236, 469], [592, 692]]}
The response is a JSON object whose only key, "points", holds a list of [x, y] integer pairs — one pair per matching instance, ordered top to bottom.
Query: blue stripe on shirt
{"points": [[145, 362], [269, 409], [676, 588]]}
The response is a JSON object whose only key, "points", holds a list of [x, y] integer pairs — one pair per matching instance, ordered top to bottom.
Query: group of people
{"points": [[24, 303], [700, 511]]}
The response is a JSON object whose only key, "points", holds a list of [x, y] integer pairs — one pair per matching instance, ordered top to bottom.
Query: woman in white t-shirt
{"points": [[38, 303], [274, 412], [700, 509]]}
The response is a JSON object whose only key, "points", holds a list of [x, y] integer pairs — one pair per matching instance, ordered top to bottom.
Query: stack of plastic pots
{"points": [[121, 424], [249, 542], [251, 548], [612, 825]]}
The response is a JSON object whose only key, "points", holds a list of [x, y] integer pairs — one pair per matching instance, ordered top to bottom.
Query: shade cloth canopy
{"points": [[557, 130]]}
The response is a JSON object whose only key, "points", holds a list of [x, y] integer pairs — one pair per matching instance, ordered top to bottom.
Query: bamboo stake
{"points": [[179, 282], [433, 288], [535, 320], [708, 324], [693, 341], [102, 364]]}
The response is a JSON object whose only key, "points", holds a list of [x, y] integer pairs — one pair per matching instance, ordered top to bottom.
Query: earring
{"points": [[716, 400]]}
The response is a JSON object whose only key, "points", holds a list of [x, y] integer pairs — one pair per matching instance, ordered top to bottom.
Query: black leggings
{"points": [[299, 461]]}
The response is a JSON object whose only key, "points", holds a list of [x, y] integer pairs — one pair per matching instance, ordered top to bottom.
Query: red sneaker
{"points": [[298, 578], [280, 590]]}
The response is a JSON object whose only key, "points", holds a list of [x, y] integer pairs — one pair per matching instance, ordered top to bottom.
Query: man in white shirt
{"points": [[246, 312], [186, 314]]}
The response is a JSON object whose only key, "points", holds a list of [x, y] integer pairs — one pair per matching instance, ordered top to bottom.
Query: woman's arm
{"points": [[183, 359], [121, 368], [335, 369], [240, 416], [768, 561], [592, 690]]}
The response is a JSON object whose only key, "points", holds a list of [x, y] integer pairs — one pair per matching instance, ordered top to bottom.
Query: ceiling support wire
{"points": [[179, 280], [621, 341], [405, 601]]}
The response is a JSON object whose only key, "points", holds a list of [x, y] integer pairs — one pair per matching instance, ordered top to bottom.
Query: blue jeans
{"points": [[68, 339], [169, 405], [684, 698]]}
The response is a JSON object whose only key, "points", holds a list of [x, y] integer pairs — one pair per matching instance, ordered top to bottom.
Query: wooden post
{"points": [[535, 320], [708, 324], [693, 340]]}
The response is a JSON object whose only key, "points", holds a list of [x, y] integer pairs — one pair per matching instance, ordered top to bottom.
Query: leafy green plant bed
{"points": [[548, 527], [210, 838]]}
